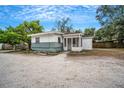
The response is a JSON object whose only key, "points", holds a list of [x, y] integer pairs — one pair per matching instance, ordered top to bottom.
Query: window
{"points": [[37, 40], [59, 41], [65, 42], [75, 42]]}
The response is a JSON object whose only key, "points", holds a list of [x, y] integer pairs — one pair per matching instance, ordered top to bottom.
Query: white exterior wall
{"points": [[47, 38], [32, 39], [86, 41], [87, 44], [65, 48], [72, 48], [76, 48]]}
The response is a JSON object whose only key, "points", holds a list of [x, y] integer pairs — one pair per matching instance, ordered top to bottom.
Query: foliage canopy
{"points": [[112, 20], [18, 34]]}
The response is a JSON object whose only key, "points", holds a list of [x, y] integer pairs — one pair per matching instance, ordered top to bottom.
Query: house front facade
{"points": [[57, 41]]}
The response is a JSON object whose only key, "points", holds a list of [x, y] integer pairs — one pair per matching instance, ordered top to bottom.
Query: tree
{"points": [[105, 14], [112, 19], [64, 25], [31, 27], [26, 28], [10, 29], [1, 31], [78, 31], [89, 31], [100, 34], [16, 35], [1, 36], [10, 38], [13, 38]]}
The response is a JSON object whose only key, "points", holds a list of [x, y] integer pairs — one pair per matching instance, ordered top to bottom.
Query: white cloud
{"points": [[49, 12]]}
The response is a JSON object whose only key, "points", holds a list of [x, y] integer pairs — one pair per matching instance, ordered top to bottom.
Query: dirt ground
{"points": [[98, 68]]}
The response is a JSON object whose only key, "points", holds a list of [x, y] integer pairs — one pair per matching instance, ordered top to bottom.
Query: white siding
{"points": [[47, 38], [33, 40], [86, 41], [87, 44], [65, 48], [72, 48], [76, 48]]}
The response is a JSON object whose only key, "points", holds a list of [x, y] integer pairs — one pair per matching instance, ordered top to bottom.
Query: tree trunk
{"points": [[29, 44]]}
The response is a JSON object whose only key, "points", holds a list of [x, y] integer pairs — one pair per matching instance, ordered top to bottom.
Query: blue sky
{"points": [[81, 16]]}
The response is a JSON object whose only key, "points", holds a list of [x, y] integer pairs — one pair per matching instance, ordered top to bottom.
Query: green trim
{"points": [[47, 47]]}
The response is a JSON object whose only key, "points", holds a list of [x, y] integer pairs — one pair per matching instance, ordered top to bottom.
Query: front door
{"points": [[69, 44]]}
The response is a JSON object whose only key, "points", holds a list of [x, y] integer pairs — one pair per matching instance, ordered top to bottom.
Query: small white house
{"points": [[57, 41]]}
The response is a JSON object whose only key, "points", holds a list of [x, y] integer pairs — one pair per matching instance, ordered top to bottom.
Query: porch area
{"points": [[72, 42]]}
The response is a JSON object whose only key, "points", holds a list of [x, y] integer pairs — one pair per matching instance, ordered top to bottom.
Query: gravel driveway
{"points": [[19, 70]]}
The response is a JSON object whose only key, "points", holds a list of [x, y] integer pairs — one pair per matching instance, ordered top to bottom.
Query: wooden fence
{"points": [[107, 45]]}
